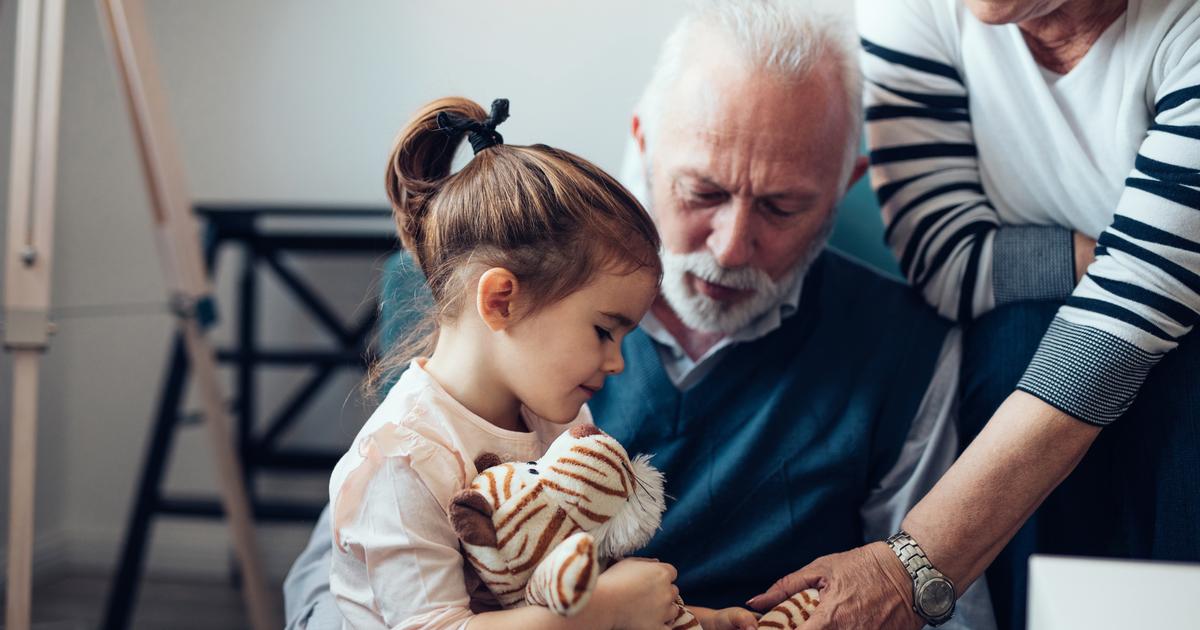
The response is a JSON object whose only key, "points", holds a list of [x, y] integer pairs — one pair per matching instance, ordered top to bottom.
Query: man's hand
{"points": [[865, 587]]}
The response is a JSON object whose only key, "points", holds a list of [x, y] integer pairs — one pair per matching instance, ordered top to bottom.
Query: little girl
{"points": [[538, 263]]}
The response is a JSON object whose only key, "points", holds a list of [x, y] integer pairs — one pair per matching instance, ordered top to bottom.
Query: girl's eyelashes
{"points": [[603, 333]]}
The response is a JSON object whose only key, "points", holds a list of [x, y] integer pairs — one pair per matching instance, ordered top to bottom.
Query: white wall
{"points": [[273, 100]]}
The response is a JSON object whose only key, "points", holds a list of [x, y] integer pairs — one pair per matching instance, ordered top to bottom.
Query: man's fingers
{"points": [[785, 587]]}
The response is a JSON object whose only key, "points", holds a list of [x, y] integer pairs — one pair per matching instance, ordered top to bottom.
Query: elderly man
{"points": [[797, 402]]}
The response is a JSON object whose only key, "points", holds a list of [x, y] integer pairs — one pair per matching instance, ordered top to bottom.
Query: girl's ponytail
{"points": [[420, 162]]}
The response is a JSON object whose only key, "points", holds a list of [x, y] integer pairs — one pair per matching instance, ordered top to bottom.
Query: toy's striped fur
{"points": [[539, 532], [792, 612]]}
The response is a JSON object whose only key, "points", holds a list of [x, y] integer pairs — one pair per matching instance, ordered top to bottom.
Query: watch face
{"points": [[936, 597]]}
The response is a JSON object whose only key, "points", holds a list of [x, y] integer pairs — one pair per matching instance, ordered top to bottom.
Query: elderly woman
{"points": [[1005, 136]]}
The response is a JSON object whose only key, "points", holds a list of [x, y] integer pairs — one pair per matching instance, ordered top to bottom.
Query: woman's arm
{"points": [[941, 226], [1142, 293], [1139, 297], [1022, 454]]}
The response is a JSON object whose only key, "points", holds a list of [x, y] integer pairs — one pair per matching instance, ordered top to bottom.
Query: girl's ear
{"points": [[495, 298]]}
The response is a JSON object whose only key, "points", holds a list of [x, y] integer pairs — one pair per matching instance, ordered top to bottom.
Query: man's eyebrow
{"points": [[703, 179], [802, 192], [620, 319]]}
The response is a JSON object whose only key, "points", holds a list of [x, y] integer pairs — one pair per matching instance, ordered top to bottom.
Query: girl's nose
{"points": [[614, 363]]}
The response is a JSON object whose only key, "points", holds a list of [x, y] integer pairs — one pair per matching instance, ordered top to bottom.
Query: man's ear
{"points": [[639, 134], [860, 167], [495, 298]]}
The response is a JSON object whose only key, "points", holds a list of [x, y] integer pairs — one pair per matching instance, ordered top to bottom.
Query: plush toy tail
{"points": [[566, 577], [792, 612]]}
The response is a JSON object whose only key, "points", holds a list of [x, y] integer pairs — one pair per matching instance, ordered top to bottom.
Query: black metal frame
{"points": [[240, 225]]}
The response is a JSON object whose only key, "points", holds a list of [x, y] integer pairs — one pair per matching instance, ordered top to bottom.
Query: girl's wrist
{"points": [[603, 605], [705, 616]]}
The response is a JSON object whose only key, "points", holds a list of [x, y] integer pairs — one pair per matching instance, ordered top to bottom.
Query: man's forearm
{"points": [[1024, 452]]}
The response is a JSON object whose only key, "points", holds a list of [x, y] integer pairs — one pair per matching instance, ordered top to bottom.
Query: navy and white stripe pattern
{"points": [[924, 171], [1140, 296]]}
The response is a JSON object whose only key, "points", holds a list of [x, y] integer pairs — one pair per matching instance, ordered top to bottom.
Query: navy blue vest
{"points": [[769, 458]]}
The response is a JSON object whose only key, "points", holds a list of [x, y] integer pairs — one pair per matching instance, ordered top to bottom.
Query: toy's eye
{"points": [[532, 463], [533, 471]]}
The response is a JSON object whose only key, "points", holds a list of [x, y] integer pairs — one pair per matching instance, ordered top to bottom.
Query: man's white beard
{"points": [[702, 313]]}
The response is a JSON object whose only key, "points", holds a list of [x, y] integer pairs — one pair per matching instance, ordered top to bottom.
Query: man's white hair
{"points": [[787, 37]]}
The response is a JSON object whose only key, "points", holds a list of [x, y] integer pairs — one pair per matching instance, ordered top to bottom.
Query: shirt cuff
{"points": [[1032, 262], [1087, 373]]}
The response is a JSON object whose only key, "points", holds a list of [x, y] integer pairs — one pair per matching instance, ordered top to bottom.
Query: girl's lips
{"points": [[589, 390]]}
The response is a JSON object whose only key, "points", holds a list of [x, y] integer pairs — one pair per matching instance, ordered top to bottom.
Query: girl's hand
{"points": [[640, 593], [729, 619]]}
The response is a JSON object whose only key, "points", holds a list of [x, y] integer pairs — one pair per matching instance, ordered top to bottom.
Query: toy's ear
{"points": [[486, 460], [471, 517]]}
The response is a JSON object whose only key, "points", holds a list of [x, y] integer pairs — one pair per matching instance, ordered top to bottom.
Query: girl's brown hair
{"points": [[550, 217]]}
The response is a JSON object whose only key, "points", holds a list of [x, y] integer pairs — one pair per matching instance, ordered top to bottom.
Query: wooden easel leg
{"points": [[124, 22], [38, 71], [260, 604], [18, 606]]}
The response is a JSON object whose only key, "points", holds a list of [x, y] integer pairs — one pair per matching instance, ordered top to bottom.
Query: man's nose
{"points": [[732, 238]]}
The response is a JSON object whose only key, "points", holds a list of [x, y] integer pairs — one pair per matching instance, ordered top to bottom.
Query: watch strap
{"points": [[920, 569]]}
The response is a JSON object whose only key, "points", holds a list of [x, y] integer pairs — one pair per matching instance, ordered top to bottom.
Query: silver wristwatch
{"points": [[933, 593]]}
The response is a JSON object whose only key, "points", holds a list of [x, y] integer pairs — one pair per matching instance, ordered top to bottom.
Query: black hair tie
{"points": [[481, 134]]}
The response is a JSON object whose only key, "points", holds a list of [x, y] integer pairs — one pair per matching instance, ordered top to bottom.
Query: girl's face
{"points": [[557, 358]]}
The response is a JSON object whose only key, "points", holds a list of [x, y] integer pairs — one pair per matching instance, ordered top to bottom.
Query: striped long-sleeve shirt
{"points": [[984, 164]]}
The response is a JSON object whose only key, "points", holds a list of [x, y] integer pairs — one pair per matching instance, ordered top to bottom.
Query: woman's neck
{"points": [[1060, 39], [461, 369]]}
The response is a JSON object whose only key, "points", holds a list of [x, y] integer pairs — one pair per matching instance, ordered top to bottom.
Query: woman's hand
{"points": [[862, 588], [641, 594]]}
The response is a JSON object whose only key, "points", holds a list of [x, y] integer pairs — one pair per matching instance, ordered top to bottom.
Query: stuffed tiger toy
{"points": [[539, 533], [791, 612]]}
